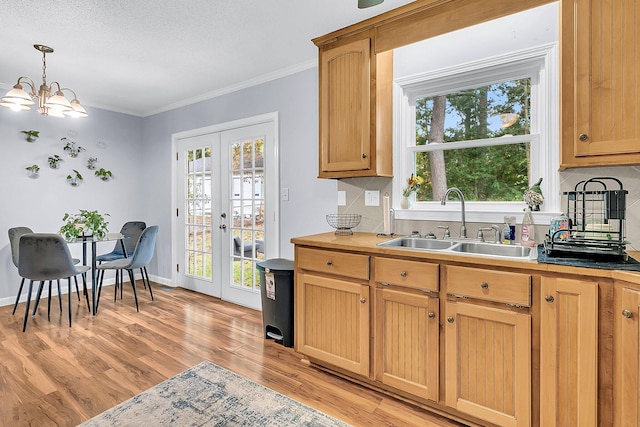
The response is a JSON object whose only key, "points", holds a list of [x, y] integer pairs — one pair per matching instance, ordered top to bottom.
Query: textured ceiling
{"points": [[143, 57]]}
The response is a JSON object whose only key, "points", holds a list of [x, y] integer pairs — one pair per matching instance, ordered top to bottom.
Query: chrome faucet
{"points": [[463, 226]]}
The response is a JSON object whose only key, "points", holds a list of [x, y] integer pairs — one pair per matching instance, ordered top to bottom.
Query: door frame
{"points": [[272, 247]]}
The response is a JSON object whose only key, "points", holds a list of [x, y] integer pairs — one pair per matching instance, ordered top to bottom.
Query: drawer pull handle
{"points": [[329, 263], [403, 274], [484, 285], [549, 298], [363, 300], [627, 313], [432, 315], [450, 319]]}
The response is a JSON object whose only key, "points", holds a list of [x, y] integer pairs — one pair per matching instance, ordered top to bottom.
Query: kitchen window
{"points": [[488, 127]]}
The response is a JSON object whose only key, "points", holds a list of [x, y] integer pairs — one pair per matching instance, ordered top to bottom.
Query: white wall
{"points": [[295, 98], [138, 152], [41, 203]]}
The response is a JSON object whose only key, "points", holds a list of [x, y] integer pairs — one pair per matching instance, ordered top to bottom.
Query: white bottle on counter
{"points": [[528, 233]]}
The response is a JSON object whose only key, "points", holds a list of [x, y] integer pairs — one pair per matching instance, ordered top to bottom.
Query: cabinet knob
{"points": [[583, 137], [364, 156], [329, 263], [403, 274], [484, 285], [549, 298], [363, 300], [627, 313], [432, 315], [450, 319]]}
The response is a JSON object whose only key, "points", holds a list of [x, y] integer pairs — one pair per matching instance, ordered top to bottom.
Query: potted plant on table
{"points": [[84, 223]]}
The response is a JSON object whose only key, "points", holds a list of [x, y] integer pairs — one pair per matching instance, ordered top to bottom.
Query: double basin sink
{"points": [[466, 247]]}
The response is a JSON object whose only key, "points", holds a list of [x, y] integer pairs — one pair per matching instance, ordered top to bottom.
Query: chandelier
{"points": [[50, 103]]}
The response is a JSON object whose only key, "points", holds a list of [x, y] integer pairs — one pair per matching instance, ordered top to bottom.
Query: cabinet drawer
{"points": [[344, 264], [412, 274], [498, 286]]}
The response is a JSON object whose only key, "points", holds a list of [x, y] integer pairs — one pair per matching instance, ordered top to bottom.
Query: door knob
{"points": [[223, 227]]}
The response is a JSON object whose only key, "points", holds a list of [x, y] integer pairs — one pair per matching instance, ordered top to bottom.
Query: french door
{"points": [[225, 222]]}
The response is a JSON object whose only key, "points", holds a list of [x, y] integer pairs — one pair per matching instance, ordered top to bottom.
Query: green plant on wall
{"points": [[31, 135], [71, 147], [54, 161], [91, 162], [33, 170], [103, 174], [75, 178], [84, 223]]}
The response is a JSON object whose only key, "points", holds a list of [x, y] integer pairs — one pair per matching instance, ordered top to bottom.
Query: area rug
{"points": [[208, 395]]}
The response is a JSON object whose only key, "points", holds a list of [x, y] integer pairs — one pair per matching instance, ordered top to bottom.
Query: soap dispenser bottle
{"points": [[528, 234]]}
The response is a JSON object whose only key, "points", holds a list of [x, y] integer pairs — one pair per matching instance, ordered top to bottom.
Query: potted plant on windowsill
{"points": [[103, 174], [75, 178], [84, 223]]}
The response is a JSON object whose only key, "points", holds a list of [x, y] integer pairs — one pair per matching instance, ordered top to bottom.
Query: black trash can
{"points": [[276, 288]]}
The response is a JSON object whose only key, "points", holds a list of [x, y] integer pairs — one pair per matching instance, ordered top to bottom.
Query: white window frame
{"points": [[541, 64]]}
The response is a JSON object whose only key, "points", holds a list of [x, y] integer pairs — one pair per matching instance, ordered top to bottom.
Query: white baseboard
{"points": [[10, 300]]}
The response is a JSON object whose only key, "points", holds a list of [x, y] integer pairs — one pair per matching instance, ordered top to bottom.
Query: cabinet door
{"points": [[601, 81], [345, 95], [332, 321], [407, 343], [568, 352], [627, 357], [488, 363]]}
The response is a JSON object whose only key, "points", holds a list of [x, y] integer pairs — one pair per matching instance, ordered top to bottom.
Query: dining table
{"points": [[94, 240]]}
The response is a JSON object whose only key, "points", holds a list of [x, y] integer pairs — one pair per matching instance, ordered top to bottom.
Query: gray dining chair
{"points": [[131, 232], [14, 240], [46, 257], [139, 259]]}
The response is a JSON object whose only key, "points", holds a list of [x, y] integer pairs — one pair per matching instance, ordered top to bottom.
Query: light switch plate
{"points": [[342, 198], [372, 198]]}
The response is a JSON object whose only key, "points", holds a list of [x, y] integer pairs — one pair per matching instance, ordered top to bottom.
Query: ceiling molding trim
{"points": [[234, 88]]}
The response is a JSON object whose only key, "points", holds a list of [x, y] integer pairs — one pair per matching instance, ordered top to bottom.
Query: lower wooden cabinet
{"points": [[332, 321], [407, 341], [568, 352], [627, 356], [488, 363]]}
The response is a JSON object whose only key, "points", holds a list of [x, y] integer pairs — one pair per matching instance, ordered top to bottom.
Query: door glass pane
{"points": [[248, 206], [198, 213]]}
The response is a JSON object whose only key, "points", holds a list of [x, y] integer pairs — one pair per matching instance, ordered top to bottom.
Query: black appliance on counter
{"points": [[596, 219]]}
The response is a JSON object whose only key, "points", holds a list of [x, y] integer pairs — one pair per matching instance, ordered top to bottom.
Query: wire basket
{"points": [[343, 223]]}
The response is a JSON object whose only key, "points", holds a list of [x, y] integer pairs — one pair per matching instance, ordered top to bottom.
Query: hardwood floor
{"points": [[53, 375]]}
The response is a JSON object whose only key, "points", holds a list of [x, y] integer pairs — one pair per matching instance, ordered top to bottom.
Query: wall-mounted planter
{"points": [[31, 135], [71, 147], [54, 161], [91, 163], [33, 171], [103, 174], [74, 179]]}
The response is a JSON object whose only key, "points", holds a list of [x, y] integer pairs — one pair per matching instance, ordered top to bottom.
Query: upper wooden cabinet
{"points": [[600, 83], [355, 133]]}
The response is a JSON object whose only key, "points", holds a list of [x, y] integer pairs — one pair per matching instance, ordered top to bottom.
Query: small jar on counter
{"points": [[560, 222]]}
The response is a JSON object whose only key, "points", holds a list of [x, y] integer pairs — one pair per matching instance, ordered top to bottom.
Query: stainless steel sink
{"points": [[417, 243], [492, 249]]}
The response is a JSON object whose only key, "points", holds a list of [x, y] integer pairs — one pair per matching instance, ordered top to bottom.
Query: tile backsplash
{"points": [[372, 220]]}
